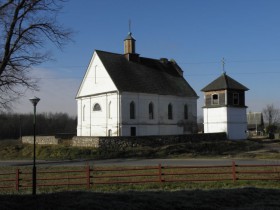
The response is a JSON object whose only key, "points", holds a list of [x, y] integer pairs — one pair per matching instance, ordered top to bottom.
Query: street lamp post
{"points": [[34, 101]]}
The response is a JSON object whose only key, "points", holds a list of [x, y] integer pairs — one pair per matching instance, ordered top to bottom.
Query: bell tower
{"points": [[129, 44], [129, 47], [224, 107]]}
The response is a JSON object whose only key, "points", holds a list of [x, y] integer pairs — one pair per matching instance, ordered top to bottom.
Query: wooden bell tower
{"points": [[224, 107]]}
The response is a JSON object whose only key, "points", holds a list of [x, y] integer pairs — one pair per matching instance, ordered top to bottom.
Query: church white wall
{"points": [[96, 79], [97, 87], [215, 120], [231, 120], [98, 123], [160, 124]]}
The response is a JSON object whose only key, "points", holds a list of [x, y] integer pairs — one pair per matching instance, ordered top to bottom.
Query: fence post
{"points": [[234, 171], [160, 173], [88, 176], [17, 179]]}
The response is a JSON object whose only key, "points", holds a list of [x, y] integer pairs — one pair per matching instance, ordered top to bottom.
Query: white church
{"points": [[129, 95]]}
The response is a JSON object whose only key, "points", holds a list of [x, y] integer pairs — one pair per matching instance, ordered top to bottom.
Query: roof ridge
{"points": [[102, 51]]}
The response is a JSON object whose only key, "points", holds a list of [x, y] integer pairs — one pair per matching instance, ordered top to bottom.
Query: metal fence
{"points": [[87, 177]]}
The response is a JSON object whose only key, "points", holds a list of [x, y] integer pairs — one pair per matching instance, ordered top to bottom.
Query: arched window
{"points": [[96, 107], [109, 107], [132, 110], [151, 111], [84, 112], [170, 112], [186, 112], [109, 132]]}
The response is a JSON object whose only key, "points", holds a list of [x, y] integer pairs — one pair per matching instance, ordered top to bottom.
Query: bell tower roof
{"points": [[129, 37], [129, 44], [224, 82]]}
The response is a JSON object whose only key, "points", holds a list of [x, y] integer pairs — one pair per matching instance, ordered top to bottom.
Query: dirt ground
{"points": [[270, 149]]}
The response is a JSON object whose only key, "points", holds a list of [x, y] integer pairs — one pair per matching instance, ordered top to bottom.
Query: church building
{"points": [[128, 95]]}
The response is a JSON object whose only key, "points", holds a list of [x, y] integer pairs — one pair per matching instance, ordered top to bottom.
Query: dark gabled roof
{"points": [[146, 75], [224, 82]]}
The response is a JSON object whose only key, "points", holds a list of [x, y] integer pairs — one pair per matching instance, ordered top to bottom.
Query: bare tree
{"points": [[26, 27], [271, 115]]}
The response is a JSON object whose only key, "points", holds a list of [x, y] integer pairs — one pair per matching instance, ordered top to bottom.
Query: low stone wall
{"points": [[40, 140], [78, 141], [155, 141], [121, 142]]}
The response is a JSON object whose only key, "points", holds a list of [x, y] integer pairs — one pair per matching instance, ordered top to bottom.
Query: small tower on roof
{"points": [[129, 44], [129, 47], [224, 107]]}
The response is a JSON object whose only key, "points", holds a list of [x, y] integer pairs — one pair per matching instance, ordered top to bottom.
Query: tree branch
{"points": [[25, 28]]}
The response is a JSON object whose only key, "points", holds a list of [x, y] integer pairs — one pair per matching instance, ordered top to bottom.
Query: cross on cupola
{"points": [[129, 46], [223, 65]]}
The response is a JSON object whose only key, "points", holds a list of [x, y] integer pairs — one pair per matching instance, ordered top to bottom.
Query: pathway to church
{"points": [[138, 162]]}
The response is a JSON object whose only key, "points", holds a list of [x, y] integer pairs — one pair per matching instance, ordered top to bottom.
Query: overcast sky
{"points": [[196, 33]]}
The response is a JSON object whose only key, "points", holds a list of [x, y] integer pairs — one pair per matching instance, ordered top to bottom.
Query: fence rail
{"points": [[87, 177]]}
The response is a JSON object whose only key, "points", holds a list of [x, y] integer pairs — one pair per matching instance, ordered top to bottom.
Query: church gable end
{"points": [[96, 79]]}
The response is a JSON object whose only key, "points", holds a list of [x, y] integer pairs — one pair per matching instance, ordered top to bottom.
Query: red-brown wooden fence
{"points": [[87, 177]]}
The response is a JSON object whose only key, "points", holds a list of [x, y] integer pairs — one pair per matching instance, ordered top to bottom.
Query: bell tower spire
{"points": [[129, 42], [129, 46], [223, 65]]}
